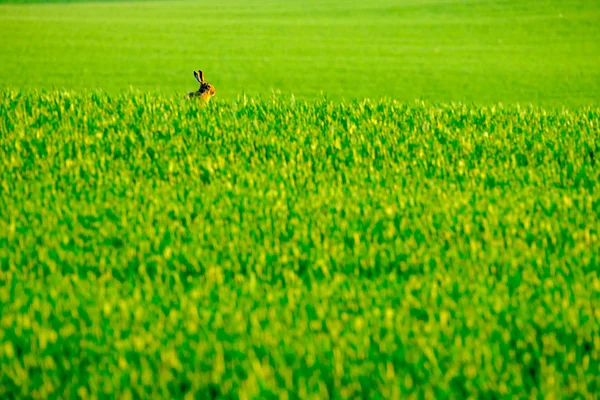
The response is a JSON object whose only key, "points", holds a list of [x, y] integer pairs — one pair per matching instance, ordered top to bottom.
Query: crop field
{"points": [[544, 52], [355, 214], [296, 248]]}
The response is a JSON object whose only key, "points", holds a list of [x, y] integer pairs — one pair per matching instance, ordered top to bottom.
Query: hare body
{"points": [[206, 90]]}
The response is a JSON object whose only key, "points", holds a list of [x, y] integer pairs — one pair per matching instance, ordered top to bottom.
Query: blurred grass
{"points": [[543, 52], [279, 247]]}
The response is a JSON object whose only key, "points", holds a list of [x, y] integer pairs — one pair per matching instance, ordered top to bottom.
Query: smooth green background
{"points": [[543, 52]]}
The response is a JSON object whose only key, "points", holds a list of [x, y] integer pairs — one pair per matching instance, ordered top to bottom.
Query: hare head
{"points": [[206, 90]]}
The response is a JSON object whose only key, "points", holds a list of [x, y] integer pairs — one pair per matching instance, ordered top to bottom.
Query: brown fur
{"points": [[206, 91]]}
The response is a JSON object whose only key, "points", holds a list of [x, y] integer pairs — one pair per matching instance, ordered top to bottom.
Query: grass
{"points": [[483, 52], [314, 231], [278, 247]]}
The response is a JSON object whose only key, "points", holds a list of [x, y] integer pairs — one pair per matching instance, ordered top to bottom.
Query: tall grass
{"points": [[277, 247]]}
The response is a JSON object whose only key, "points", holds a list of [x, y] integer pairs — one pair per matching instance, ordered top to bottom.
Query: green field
{"points": [[535, 51], [315, 231], [274, 248]]}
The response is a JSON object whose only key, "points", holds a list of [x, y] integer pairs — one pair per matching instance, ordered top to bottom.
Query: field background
{"points": [[543, 52]]}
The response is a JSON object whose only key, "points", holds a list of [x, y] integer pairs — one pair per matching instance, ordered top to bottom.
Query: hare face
{"points": [[206, 90]]}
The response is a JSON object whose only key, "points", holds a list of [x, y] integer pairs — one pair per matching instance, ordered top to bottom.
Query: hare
{"points": [[206, 90]]}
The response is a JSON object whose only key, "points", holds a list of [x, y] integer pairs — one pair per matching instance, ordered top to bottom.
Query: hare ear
{"points": [[199, 76]]}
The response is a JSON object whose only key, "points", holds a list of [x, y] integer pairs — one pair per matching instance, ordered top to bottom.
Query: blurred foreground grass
{"points": [[273, 247]]}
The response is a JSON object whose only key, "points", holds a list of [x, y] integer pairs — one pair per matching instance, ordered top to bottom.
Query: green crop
{"points": [[544, 52], [272, 245], [285, 248]]}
